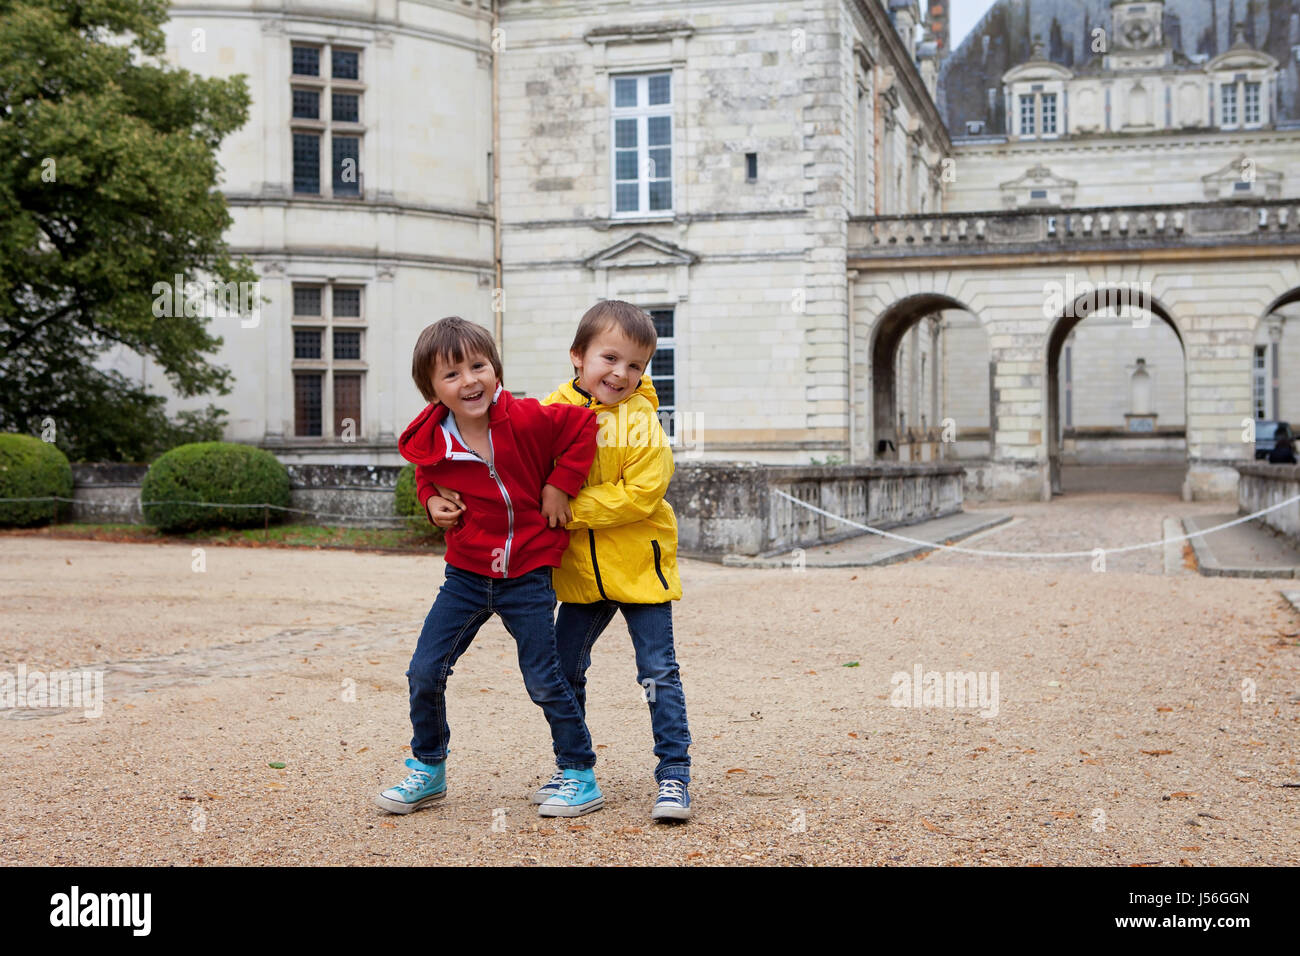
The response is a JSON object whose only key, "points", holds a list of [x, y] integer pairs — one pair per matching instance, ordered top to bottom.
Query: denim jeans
{"points": [[525, 605], [651, 628]]}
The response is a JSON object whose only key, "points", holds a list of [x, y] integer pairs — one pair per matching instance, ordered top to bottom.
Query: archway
{"points": [[1275, 362], [1129, 383], [926, 398]]}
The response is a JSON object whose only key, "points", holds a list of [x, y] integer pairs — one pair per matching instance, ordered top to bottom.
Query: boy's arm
{"points": [[572, 447], [646, 474], [424, 487]]}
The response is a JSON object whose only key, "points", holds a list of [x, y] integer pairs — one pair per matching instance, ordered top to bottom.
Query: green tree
{"points": [[108, 176]]}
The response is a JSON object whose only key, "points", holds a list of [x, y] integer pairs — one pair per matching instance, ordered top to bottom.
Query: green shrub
{"points": [[31, 468], [213, 471], [407, 504]]}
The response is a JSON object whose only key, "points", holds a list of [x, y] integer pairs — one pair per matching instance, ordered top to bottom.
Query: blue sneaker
{"points": [[423, 785], [550, 788], [578, 794], [674, 801]]}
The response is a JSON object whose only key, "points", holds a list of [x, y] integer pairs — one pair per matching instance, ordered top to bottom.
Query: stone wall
{"points": [[1262, 485], [730, 508]]}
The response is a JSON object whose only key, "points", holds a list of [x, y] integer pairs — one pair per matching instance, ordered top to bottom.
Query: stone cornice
{"points": [[876, 16]]}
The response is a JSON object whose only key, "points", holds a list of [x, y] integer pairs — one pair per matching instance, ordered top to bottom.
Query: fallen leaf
{"points": [[851, 664], [1163, 710], [853, 735], [363, 750], [1157, 753], [276, 766], [737, 770], [1184, 795], [1063, 814], [388, 826], [578, 826], [930, 826], [628, 830], [1190, 849], [694, 853]]}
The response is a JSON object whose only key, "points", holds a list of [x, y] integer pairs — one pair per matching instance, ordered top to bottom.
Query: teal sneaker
{"points": [[423, 785], [550, 788], [578, 794], [673, 802]]}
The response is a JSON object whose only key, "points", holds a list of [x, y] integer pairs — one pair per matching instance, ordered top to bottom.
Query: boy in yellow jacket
{"points": [[622, 552]]}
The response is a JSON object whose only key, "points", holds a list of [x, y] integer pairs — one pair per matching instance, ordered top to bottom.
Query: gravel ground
{"points": [[1122, 732]]}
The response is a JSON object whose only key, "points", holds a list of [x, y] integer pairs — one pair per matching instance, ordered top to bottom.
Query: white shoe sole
{"points": [[541, 796], [396, 806], [563, 810], [670, 813]]}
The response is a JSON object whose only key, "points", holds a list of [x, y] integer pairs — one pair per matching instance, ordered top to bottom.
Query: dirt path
{"points": [[1121, 734]]}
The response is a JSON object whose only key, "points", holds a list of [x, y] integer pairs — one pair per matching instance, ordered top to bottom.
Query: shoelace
{"points": [[417, 780], [556, 780], [569, 788], [671, 789]]}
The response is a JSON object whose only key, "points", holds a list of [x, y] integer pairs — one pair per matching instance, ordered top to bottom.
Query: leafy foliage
{"points": [[108, 185], [31, 468], [216, 472], [407, 504]]}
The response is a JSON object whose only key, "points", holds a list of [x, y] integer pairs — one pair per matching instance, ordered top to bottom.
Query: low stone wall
{"points": [[1261, 485], [354, 495], [722, 507], [729, 508]]}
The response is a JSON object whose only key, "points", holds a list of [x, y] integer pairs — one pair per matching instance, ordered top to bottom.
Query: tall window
{"points": [[326, 92], [1228, 96], [1252, 110], [1049, 112], [1027, 127], [642, 144], [328, 361], [663, 369], [1260, 391]]}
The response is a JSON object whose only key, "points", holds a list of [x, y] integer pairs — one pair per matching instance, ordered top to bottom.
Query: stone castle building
{"points": [[844, 248]]}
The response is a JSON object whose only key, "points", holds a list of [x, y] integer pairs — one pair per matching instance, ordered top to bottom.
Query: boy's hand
{"points": [[555, 506], [445, 508]]}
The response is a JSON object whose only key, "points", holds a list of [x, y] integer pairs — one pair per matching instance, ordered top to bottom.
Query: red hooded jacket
{"points": [[502, 532]]}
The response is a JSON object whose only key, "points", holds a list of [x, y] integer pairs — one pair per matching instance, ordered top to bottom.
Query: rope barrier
{"points": [[1039, 554]]}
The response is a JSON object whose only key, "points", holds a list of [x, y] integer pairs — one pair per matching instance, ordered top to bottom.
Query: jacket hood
{"points": [[573, 394], [422, 442]]}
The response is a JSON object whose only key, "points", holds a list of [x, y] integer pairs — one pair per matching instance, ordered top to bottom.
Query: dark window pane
{"points": [[306, 61], [346, 64], [660, 89], [625, 92], [306, 104], [346, 108], [659, 131], [625, 134], [306, 163], [625, 164], [660, 165], [347, 172], [661, 195], [627, 197], [306, 300], [347, 303], [663, 319], [306, 343], [347, 344], [664, 389], [307, 403], [347, 404]]}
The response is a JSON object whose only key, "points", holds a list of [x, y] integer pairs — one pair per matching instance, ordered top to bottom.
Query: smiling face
{"points": [[611, 367], [465, 387]]}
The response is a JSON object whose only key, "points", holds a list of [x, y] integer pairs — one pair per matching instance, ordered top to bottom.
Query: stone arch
{"points": [[1104, 295], [886, 339], [1280, 353]]}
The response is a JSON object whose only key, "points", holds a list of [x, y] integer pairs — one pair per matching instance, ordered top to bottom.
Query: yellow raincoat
{"points": [[623, 536]]}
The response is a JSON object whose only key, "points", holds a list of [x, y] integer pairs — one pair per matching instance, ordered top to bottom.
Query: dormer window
{"points": [[1027, 127]]}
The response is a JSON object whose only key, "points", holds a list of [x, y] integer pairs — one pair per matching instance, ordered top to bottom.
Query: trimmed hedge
{"points": [[31, 468], [213, 471], [407, 504]]}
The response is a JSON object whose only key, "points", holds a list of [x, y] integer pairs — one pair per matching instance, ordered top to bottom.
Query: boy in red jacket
{"points": [[515, 464]]}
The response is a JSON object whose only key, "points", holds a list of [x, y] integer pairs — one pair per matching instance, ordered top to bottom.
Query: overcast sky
{"points": [[964, 15]]}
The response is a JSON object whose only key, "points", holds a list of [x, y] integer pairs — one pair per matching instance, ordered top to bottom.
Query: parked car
{"points": [[1267, 433]]}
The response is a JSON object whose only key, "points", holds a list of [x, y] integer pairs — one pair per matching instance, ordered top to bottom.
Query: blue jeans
{"points": [[525, 605], [651, 628]]}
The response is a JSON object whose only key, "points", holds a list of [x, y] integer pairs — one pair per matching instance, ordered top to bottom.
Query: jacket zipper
{"points": [[510, 510], [591, 539], [662, 580]]}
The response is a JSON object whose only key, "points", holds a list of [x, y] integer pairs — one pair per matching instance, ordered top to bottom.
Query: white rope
{"points": [[1032, 554]]}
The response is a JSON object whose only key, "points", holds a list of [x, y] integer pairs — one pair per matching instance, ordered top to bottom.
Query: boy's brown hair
{"points": [[633, 322], [448, 341]]}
